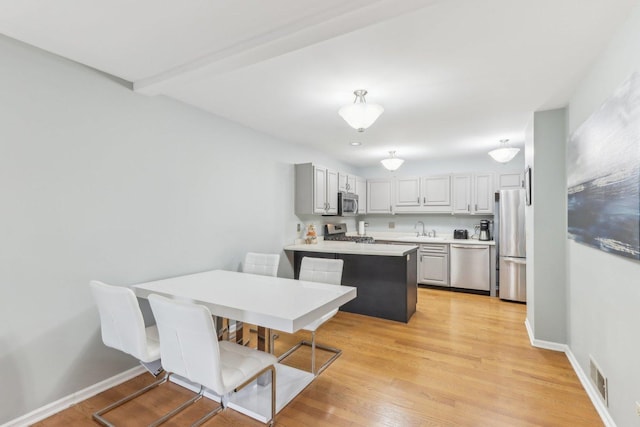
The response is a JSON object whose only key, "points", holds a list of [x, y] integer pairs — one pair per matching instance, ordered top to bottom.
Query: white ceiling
{"points": [[454, 76]]}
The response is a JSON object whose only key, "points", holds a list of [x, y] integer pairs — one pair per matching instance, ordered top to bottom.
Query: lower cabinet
{"points": [[433, 264], [387, 285]]}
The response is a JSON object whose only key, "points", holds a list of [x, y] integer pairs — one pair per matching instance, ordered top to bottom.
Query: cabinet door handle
{"points": [[418, 200], [424, 200], [476, 206], [469, 208]]}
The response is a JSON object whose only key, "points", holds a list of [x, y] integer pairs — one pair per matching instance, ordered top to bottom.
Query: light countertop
{"points": [[411, 238], [354, 248]]}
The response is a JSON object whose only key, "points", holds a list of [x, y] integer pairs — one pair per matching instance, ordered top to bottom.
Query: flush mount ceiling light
{"points": [[360, 115], [505, 153], [392, 163]]}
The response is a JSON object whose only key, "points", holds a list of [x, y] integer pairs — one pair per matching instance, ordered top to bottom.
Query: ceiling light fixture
{"points": [[360, 115], [505, 153], [392, 163]]}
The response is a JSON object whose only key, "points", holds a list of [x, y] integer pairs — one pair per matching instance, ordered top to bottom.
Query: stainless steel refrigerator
{"points": [[512, 248]]}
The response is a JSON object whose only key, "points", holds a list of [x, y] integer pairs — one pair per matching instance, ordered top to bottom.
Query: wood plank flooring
{"points": [[462, 360]]}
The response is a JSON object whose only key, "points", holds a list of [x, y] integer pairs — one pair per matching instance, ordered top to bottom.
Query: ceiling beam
{"points": [[352, 16]]}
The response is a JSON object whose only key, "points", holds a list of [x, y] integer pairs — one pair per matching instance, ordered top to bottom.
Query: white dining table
{"points": [[287, 305]]}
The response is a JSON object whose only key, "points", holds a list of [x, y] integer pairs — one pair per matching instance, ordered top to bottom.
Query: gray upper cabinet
{"points": [[510, 180], [347, 182], [316, 189], [361, 191], [407, 191], [483, 191], [436, 193], [422, 194], [461, 194], [473, 194], [379, 199]]}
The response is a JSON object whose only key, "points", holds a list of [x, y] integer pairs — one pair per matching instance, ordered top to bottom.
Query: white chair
{"points": [[263, 264], [325, 271], [123, 328], [189, 347]]}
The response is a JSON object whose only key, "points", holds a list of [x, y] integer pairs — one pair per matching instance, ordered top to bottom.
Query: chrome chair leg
{"points": [[337, 352], [272, 369], [180, 408], [98, 416]]}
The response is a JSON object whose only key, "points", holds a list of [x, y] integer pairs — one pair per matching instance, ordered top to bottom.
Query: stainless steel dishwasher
{"points": [[470, 267]]}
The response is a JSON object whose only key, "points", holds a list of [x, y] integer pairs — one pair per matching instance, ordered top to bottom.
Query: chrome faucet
{"points": [[415, 227], [433, 233]]}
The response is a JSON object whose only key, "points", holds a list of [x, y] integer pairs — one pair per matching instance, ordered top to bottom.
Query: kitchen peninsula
{"points": [[385, 275]]}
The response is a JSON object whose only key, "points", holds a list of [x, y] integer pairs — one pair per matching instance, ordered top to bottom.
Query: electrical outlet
{"points": [[392, 224], [638, 408]]}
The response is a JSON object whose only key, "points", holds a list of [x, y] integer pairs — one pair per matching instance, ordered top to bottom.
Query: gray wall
{"points": [[98, 182], [546, 226], [604, 289]]}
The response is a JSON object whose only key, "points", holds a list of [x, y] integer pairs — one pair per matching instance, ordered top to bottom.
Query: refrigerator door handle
{"points": [[515, 260]]}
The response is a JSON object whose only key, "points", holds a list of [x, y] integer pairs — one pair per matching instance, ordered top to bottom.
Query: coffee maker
{"points": [[485, 234]]}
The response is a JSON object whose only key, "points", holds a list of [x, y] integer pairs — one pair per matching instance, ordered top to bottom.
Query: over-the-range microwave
{"points": [[347, 204]]}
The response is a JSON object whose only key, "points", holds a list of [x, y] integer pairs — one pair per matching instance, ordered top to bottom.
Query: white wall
{"points": [[439, 166], [98, 182], [546, 227], [604, 289]]}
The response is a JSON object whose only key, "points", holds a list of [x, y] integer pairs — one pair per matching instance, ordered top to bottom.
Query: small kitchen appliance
{"points": [[460, 234], [485, 234]]}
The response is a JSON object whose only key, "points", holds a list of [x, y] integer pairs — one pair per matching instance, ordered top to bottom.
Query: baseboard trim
{"points": [[548, 345], [582, 376], [591, 390], [77, 397]]}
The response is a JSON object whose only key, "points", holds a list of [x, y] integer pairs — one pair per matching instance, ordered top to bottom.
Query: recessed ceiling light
{"points": [[355, 143]]}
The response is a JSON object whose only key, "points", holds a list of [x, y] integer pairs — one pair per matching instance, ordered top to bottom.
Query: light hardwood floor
{"points": [[462, 360]]}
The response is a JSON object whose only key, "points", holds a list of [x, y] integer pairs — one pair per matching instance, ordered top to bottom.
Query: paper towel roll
{"points": [[361, 228]]}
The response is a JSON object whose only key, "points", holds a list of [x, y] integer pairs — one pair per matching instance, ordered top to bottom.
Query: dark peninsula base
{"points": [[387, 285]]}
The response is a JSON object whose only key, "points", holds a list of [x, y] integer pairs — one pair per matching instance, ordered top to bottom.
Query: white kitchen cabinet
{"points": [[509, 180], [346, 182], [316, 189], [361, 191], [407, 191], [436, 193], [427, 194], [461, 194], [473, 194], [483, 194], [379, 196], [433, 264]]}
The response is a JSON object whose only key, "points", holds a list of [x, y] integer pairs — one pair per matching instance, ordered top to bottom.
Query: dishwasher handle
{"points": [[483, 247]]}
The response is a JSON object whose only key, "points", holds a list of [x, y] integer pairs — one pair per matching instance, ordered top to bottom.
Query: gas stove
{"points": [[337, 233]]}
